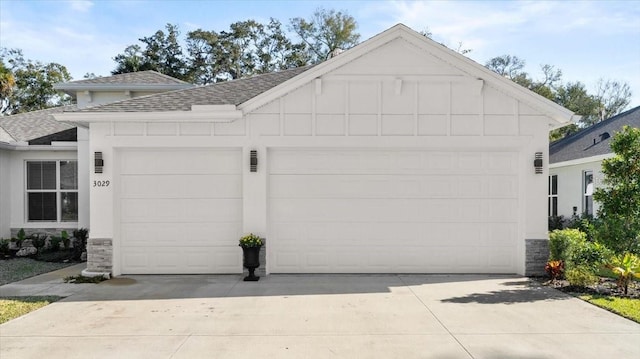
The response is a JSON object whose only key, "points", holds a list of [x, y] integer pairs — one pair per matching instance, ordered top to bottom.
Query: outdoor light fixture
{"points": [[253, 161], [98, 162], [537, 163]]}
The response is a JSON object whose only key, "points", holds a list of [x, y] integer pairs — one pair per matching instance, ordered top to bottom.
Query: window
{"points": [[587, 190], [52, 191], [553, 196]]}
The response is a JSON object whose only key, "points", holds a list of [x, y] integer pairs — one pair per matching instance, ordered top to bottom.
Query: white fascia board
{"points": [[120, 87], [224, 115], [581, 161]]}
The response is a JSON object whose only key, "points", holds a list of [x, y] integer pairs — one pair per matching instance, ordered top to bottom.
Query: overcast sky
{"points": [[587, 40]]}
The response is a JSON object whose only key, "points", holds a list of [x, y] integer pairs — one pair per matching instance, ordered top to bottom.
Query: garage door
{"points": [[180, 211], [404, 211]]}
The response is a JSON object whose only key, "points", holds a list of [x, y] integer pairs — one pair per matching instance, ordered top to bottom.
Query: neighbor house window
{"points": [[587, 190], [52, 191], [553, 196]]}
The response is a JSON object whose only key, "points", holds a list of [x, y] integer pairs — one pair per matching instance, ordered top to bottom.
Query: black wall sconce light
{"points": [[253, 161], [98, 162], [537, 163]]}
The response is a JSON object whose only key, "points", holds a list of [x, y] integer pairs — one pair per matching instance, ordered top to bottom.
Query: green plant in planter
{"points": [[250, 240], [251, 244]]}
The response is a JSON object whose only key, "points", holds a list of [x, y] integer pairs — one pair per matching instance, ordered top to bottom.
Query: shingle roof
{"points": [[140, 77], [222, 93], [30, 125], [594, 140]]}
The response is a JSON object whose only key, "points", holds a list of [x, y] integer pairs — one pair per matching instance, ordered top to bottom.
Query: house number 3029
{"points": [[101, 183]]}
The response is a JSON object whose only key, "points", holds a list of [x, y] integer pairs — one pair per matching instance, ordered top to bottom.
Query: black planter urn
{"points": [[251, 261]]}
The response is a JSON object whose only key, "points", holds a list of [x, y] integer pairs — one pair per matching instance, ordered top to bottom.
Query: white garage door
{"points": [[180, 211], [403, 211]]}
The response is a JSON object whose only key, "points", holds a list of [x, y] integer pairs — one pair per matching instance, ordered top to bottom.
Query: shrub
{"points": [[556, 222], [584, 223], [20, 237], [39, 241], [66, 241], [80, 242], [54, 243], [562, 243], [4, 246], [590, 254], [57, 256], [626, 267], [554, 269], [580, 276]]}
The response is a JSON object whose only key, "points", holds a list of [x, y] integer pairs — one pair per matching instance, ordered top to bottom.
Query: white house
{"points": [[397, 156], [44, 163], [575, 169]]}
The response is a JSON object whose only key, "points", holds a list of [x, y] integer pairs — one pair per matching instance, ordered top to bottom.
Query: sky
{"points": [[587, 40]]}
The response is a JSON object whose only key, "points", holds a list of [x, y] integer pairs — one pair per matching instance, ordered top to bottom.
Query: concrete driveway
{"points": [[320, 316]]}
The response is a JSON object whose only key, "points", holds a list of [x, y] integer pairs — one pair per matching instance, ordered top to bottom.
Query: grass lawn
{"points": [[16, 269], [13, 307], [626, 307]]}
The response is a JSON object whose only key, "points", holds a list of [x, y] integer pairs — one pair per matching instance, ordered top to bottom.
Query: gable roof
{"points": [[141, 81], [232, 92], [251, 93], [560, 115], [35, 124], [594, 140]]}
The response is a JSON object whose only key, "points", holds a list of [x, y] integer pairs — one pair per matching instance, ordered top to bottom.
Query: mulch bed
{"points": [[606, 286]]}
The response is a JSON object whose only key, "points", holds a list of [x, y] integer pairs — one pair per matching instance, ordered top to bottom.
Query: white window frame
{"points": [[58, 191], [587, 192], [552, 196]]}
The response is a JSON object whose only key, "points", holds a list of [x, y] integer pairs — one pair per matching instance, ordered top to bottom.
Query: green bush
{"points": [[38, 241], [54, 243], [562, 243], [4, 246], [590, 254], [580, 276]]}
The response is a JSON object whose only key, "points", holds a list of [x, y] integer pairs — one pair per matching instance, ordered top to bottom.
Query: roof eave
{"points": [[120, 87]]}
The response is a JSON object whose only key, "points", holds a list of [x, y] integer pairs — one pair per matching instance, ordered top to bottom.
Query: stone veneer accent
{"points": [[48, 231], [100, 255], [536, 256], [260, 271]]}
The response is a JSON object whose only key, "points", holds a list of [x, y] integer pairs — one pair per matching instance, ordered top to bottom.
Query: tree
{"points": [[325, 32], [162, 53], [33, 82], [7, 83], [611, 97], [619, 214]]}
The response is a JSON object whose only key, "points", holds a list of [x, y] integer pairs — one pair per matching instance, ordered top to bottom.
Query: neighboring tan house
{"points": [[396, 156], [575, 169], [44, 183]]}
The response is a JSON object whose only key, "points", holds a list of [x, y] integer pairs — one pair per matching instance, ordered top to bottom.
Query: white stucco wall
{"points": [[570, 184], [5, 193]]}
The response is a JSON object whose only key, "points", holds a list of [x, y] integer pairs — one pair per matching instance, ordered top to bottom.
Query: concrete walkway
{"points": [[51, 283], [320, 316]]}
